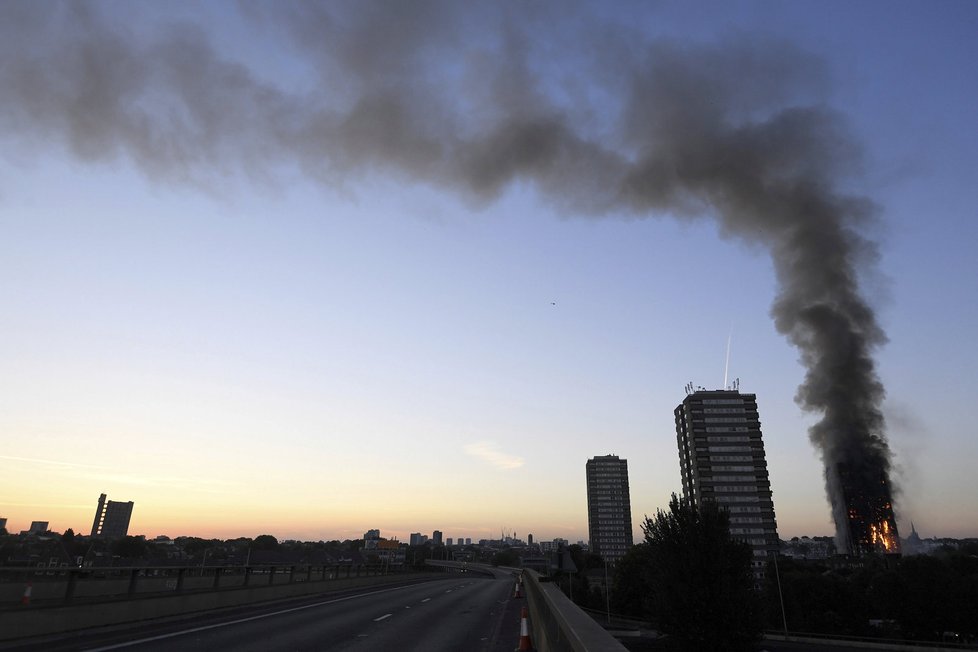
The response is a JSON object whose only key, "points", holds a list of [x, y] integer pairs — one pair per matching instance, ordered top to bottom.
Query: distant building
{"points": [[721, 458], [609, 509], [111, 518], [3, 523], [38, 527], [436, 537], [370, 539], [418, 539], [529, 539], [468, 541], [448, 542], [914, 545], [808, 548]]}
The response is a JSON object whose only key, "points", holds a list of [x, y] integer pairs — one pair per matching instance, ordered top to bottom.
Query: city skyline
{"points": [[209, 312]]}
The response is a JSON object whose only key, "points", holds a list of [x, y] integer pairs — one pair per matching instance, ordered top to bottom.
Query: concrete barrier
{"points": [[55, 619], [558, 624]]}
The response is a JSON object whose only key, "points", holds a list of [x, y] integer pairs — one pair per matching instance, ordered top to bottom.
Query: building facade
{"points": [[721, 458], [609, 509], [111, 518], [418, 539]]}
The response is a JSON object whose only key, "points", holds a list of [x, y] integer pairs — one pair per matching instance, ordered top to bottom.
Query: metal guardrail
{"points": [[22, 585]]}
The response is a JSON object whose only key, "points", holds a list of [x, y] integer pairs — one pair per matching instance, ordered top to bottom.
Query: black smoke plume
{"points": [[598, 118]]}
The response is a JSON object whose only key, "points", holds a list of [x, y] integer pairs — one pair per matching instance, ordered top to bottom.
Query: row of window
{"points": [[738, 499], [748, 509]]}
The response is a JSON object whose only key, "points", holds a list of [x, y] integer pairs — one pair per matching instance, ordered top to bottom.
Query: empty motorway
{"points": [[461, 612]]}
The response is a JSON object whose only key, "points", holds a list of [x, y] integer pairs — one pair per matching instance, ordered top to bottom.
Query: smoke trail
{"points": [[473, 100]]}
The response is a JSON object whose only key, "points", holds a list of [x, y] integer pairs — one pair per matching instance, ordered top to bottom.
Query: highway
{"points": [[462, 612]]}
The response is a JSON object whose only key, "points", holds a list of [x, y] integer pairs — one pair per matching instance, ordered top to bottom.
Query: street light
{"points": [[777, 576]]}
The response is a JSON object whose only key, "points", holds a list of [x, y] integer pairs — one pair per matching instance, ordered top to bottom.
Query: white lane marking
{"points": [[448, 591], [426, 599], [407, 606], [377, 620], [203, 628]]}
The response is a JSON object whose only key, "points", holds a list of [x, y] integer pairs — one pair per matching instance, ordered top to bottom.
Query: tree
{"points": [[264, 542], [129, 547], [506, 557], [631, 586], [702, 592], [818, 599]]}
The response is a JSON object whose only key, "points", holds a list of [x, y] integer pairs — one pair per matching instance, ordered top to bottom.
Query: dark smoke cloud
{"points": [[597, 118]]}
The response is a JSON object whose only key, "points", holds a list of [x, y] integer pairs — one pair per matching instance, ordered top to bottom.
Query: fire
{"points": [[881, 536]]}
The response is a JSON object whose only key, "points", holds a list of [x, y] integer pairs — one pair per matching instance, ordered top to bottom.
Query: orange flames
{"points": [[881, 536]]}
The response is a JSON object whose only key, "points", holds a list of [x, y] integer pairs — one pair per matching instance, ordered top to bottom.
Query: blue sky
{"points": [[313, 355]]}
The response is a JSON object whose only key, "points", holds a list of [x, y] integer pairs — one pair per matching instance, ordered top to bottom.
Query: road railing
{"points": [[25, 586], [76, 599], [558, 624]]}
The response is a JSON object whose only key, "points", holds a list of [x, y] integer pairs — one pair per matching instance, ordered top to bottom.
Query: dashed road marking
{"points": [[242, 620], [377, 620]]}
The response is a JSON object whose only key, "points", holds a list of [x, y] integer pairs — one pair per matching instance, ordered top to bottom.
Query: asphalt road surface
{"points": [[464, 612]]}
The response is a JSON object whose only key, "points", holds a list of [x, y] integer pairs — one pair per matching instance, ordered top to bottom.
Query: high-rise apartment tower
{"points": [[721, 457], [609, 509], [111, 518]]}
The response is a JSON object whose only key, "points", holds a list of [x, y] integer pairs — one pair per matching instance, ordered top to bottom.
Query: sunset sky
{"points": [[240, 290]]}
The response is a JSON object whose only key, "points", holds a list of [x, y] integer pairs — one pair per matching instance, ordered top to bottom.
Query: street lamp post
{"points": [[777, 576]]}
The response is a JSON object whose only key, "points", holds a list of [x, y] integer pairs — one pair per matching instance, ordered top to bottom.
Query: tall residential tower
{"points": [[721, 457], [609, 509], [111, 518]]}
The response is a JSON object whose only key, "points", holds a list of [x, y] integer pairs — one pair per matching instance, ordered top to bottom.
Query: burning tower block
{"points": [[870, 525]]}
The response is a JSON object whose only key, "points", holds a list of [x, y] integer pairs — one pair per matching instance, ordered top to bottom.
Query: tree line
{"points": [[692, 581]]}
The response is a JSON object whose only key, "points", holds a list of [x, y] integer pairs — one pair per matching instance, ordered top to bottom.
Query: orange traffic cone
{"points": [[516, 591], [26, 599], [525, 644]]}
